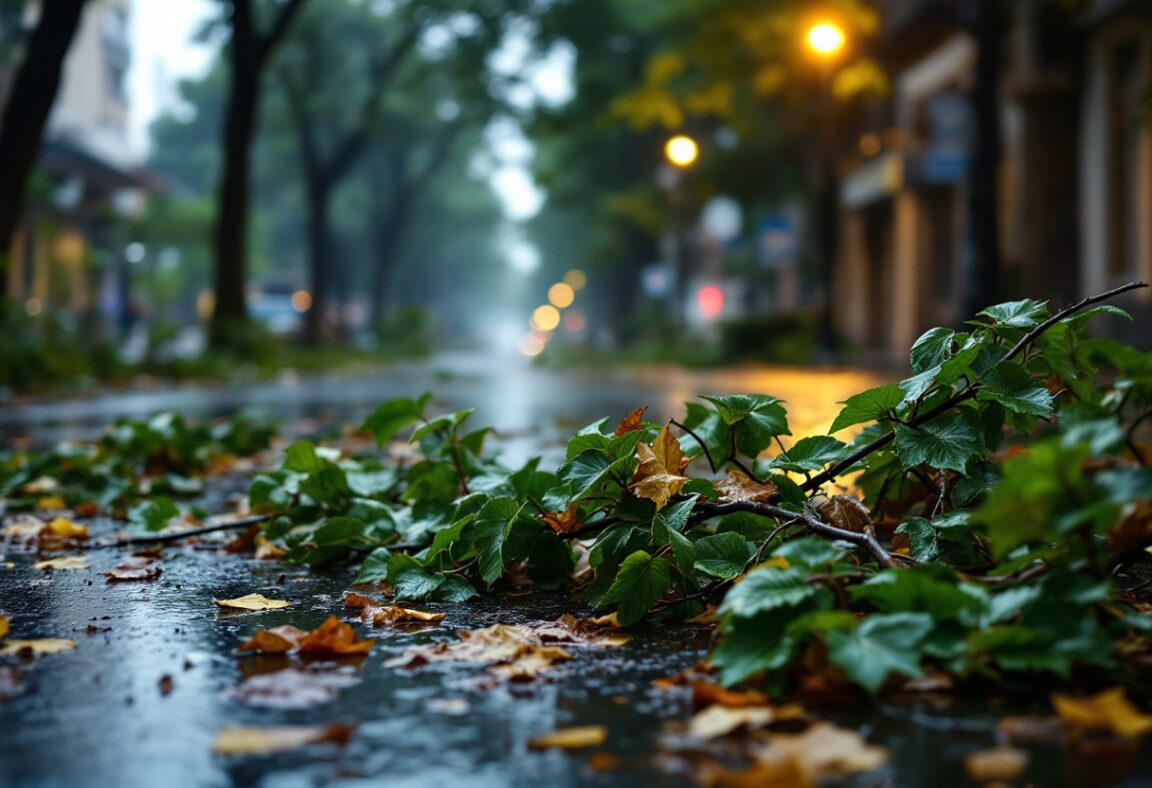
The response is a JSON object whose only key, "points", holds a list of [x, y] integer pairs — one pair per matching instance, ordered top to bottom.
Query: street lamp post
{"points": [[826, 41], [681, 152]]}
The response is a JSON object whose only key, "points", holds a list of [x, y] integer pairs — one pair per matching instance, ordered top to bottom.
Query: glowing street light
{"points": [[826, 39], [681, 150], [576, 279], [561, 295], [545, 318]]}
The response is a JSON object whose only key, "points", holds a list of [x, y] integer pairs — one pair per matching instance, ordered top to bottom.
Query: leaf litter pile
{"points": [[921, 557]]}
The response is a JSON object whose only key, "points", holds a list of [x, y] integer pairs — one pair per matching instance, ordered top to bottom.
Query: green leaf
{"points": [[1017, 314], [931, 349], [1010, 384], [868, 406], [393, 416], [756, 418], [444, 423], [710, 428], [590, 437], [948, 441], [811, 454], [301, 456], [587, 471], [432, 481], [154, 513], [666, 529], [339, 532], [502, 535], [448, 538], [808, 553], [723, 555], [374, 567], [411, 580], [639, 584], [453, 588], [767, 588], [926, 589], [881, 645], [754, 646]]}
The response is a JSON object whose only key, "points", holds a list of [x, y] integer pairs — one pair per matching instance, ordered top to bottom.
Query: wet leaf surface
{"points": [[253, 602], [36, 646], [570, 738], [265, 741]]}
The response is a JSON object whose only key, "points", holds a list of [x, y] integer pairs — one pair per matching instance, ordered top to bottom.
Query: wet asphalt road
{"points": [[96, 716]]}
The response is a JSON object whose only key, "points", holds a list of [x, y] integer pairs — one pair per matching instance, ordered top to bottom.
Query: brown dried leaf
{"points": [[632, 422], [659, 475], [739, 486], [846, 512], [563, 522], [1133, 529], [134, 569], [252, 602], [390, 615], [4, 623], [334, 637], [277, 640], [36, 647], [514, 652], [705, 693], [1109, 710], [716, 720], [571, 738], [264, 741], [823, 750], [996, 764]]}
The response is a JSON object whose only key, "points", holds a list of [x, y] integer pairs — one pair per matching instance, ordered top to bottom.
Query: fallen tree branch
{"points": [[834, 470], [176, 536]]}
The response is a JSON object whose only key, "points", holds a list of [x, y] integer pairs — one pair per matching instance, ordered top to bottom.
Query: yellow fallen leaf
{"points": [[658, 477], [51, 503], [66, 529], [63, 562], [252, 602], [394, 614], [4, 621], [277, 640], [36, 647], [1110, 710], [716, 720], [571, 738], [264, 741], [823, 750], [998, 764]]}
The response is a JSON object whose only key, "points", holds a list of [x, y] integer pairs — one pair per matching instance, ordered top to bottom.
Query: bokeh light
{"points": [[826, 38], [681, 150], [576, 279], [561, 295], [301, 301], [711, 301], [545, 318], [575, 321], [532, 344]]}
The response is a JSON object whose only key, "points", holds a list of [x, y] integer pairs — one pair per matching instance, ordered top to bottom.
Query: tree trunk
{"points": [[26, 113], [231, 232], [319, 232], [981, 247], [385, 250]]}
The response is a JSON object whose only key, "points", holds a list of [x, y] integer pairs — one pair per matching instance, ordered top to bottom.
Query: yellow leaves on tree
{"points": [[660, 474], [739, 486], [252, 602], [332, 638], [1110, 710]]}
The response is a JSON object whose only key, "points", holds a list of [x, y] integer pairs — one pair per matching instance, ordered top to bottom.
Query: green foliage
{"points": [[144, 462], [1011, 503]]}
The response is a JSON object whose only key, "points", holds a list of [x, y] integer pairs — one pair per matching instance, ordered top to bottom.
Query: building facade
{"points": [[1075, 175]]}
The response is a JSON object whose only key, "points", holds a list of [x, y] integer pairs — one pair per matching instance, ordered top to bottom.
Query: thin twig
{"points": [[1130, 438], [703, 446], [834, 470], [818, 527], [176, 536]]}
